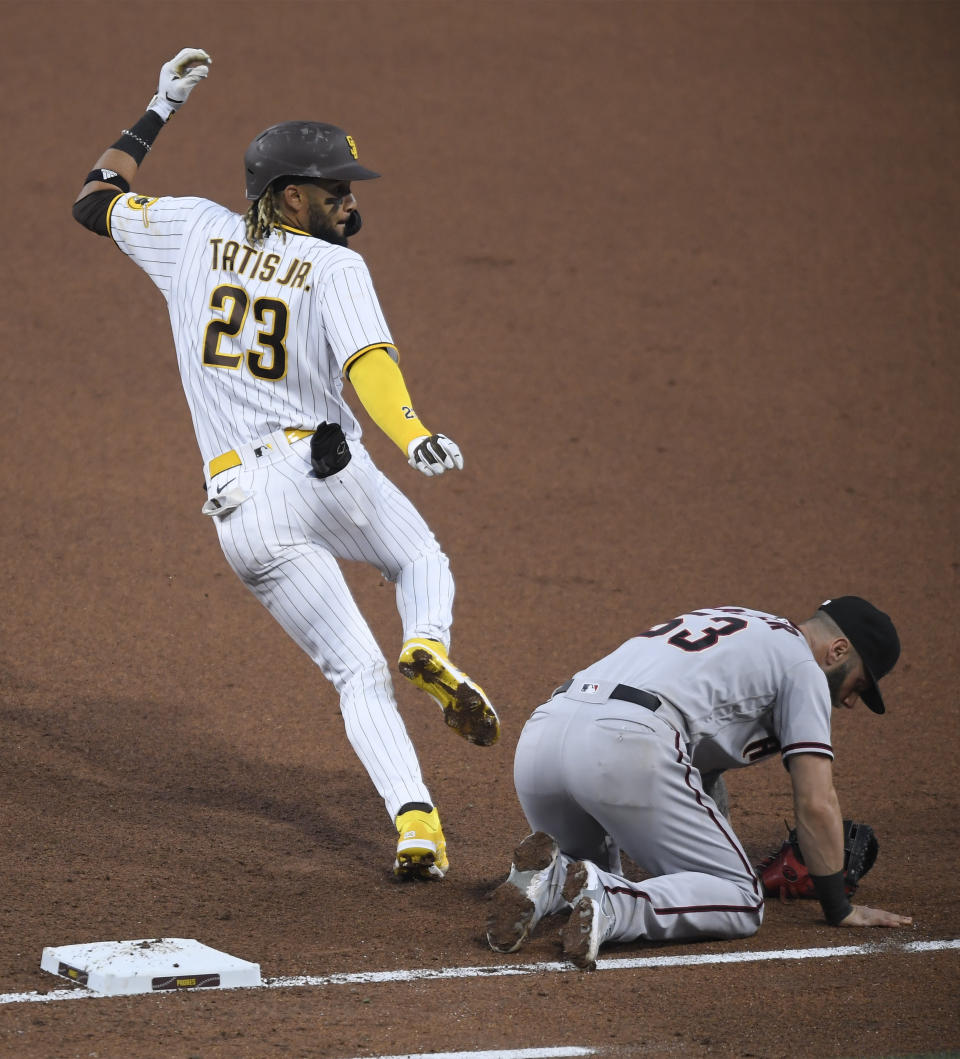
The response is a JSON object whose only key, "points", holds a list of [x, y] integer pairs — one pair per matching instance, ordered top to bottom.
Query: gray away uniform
{"points": [[601, 773]]}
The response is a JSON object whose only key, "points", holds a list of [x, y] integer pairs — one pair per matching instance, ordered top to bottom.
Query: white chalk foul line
{"points": [[627, 963], [507, 970], [513, 1053]]}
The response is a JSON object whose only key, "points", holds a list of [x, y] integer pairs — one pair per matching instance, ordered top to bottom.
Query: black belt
{"points": [[625, 693]]}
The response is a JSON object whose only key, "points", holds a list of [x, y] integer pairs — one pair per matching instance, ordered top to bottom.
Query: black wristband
{"points": [[138, 140], [107, 176], [832, 895]]}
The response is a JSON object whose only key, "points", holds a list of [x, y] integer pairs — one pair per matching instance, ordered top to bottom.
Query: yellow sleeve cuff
{"points": [[379, 384]]}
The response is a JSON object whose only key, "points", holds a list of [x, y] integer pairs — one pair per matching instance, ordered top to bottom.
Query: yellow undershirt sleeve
{"points": [[379, 384]]}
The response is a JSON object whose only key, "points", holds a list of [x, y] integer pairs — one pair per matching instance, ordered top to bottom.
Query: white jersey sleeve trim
{"points": [[806, 748]]}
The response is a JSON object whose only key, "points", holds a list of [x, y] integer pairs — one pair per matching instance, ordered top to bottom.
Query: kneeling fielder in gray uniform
{"points": [[614, 761]]}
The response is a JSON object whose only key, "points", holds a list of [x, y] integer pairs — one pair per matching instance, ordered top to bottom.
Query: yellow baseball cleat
{"points": [[466, 708], [421, 847]]}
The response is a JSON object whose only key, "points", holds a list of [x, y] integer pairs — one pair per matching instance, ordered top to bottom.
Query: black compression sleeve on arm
{"points": [[136, 141], [107, 176], [91, 211], [832, 895]]}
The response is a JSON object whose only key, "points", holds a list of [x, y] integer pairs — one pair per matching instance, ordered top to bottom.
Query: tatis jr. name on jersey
{"points": [[232, 256]]}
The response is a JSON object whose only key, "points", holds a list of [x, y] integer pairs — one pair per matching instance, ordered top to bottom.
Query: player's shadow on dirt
{"points": [[138, 751]]}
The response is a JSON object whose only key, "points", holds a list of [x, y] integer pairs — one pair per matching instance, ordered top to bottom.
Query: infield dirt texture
{"points": [[682, 281]]}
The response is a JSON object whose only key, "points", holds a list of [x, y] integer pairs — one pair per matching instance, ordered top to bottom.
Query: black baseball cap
{"points": [[873, 636]]}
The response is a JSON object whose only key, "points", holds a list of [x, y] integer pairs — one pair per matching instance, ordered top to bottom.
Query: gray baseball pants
{"points": [[586, 770]]}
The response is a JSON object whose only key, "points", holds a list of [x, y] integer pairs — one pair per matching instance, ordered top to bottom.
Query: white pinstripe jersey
{"points": [[263, 334], [745, 682]]}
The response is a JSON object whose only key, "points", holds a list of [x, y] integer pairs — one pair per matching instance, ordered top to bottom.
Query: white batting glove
{"points": [[178, 78], [433, 454]]}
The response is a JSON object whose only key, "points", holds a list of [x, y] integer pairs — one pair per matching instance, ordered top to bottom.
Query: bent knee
{"points": [[367, 673], [749, 923]]}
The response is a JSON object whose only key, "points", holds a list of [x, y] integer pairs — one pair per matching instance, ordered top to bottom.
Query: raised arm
{"points": [[116, 168]]}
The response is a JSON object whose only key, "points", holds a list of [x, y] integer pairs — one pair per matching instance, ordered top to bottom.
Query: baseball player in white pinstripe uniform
{"points": [[271, 312], [612, 761]]}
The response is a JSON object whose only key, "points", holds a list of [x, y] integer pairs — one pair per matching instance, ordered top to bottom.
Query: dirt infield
{"points": [[682, 281]]}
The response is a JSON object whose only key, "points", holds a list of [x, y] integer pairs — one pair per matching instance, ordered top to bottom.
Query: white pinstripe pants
{"points": [[284, 543]]}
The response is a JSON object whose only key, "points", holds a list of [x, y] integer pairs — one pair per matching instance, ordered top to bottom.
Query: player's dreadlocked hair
{"points": [[263, 216]]}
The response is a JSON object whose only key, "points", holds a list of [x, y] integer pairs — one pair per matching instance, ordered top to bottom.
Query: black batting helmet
{"points": [[301, 149]]}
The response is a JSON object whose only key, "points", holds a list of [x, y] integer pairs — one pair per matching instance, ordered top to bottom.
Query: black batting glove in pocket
{"points": [[329, 451]]}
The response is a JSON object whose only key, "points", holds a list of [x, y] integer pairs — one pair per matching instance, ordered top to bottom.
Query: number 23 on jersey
{"points": [[233, 303]]}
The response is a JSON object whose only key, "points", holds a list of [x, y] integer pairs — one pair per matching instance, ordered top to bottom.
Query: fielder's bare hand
{"points": [[178, 78], [862, 916]]}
